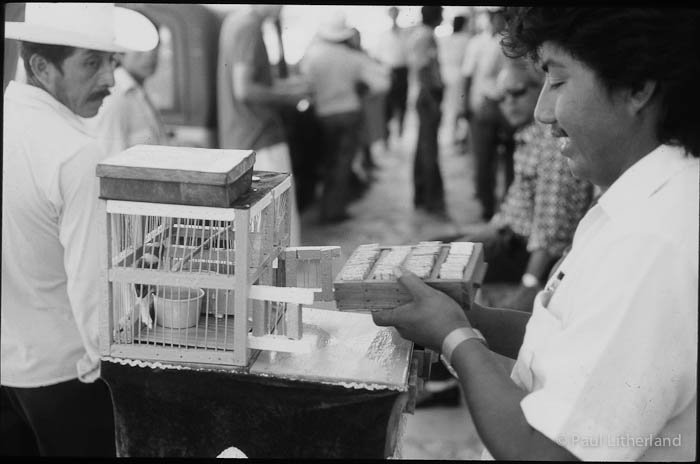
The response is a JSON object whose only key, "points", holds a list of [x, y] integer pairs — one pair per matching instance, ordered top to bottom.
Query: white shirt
{"points": [[392, 48], [452, 49], [483, 60], [333, 70], [127, 117], [50, 246], [610, 362]]}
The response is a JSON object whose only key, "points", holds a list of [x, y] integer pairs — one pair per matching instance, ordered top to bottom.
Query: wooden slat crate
{"points": [[368, 293]]}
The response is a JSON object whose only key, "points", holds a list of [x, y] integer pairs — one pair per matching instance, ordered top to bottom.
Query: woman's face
{"points": [[518, 96]]}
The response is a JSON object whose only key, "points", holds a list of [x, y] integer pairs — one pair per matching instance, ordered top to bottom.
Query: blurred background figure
{"points": [[452, 50], [392, 51], [335, 68], [249, 98], [127, 116], [490, 134], [429, 194], [544, 204]]}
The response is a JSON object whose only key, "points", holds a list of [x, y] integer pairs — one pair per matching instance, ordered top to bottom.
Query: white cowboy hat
{"points": [[95, 26], [335, 28]]}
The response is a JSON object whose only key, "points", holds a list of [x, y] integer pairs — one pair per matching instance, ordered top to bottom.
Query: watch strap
{"points": [[456, 337]]}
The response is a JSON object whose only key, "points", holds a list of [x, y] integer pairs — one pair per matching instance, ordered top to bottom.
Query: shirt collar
{"points": [[123, 81], [36, 97], [642, 179]]}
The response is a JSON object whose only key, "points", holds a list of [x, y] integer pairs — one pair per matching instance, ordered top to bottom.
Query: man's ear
{"points": [[40, 67], [639, 97]]}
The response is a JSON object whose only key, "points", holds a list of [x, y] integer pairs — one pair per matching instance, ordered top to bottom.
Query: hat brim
{"points": [[133, 32], [336, 36]]}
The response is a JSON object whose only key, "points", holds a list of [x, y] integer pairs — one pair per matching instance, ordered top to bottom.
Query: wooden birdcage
{"points": [[194, 282]]}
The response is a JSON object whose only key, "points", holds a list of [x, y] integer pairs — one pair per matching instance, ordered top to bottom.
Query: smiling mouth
{"points": [[558, 132], [562, 139]]}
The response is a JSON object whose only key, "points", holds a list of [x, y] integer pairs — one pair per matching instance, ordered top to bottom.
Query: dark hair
{"points": [[432, 14], [458, 23], [625, 47], [55, 54]]}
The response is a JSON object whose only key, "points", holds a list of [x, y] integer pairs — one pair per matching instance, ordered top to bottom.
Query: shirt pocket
{"points": [[542, 327]]}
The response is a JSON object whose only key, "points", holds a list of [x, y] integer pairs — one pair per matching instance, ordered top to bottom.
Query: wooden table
{"points": [[341, 399]]}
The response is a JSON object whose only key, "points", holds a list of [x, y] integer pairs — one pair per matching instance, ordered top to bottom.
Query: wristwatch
{"points": [[528, 280], [453, 340]]}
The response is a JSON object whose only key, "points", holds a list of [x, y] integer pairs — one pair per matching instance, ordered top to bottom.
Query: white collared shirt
{"points": [[127, 117], [50, 245], [610, 361]]}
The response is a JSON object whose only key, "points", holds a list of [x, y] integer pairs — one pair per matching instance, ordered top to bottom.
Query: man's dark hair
{"points": [[431, 14], [458, 23], [625, 47], [55, 54]]}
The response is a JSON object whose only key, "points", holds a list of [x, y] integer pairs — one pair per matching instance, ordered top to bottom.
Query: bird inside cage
{"points": [[150, 259], [144, 293]]}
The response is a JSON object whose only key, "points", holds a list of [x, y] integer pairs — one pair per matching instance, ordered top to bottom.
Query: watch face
{"points": [[449, 367]]}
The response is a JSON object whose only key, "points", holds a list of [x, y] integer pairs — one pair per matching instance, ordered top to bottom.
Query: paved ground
{"points": [[385, 215]]}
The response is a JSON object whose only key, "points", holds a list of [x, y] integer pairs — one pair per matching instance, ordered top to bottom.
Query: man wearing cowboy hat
{"points": [[334, 69], [53, 402]]}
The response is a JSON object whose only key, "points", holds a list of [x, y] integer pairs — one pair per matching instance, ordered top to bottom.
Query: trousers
{"points": [[396, 99], [489, 131], [341, 136], [427, 181], [66, 419]]}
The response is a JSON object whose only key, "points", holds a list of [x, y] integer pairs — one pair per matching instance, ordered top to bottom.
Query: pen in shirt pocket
{"points": [[554, 283]]}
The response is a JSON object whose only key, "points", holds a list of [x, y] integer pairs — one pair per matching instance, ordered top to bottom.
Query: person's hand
{"points": [[295, 88], [522, 299], [426, 320]]}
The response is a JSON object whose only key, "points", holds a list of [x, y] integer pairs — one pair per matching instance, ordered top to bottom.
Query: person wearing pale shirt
{"points": [[452, 49], [392, 50], [335, 68], [128, 117], [488, 129], [605, 367], [54, 402]]}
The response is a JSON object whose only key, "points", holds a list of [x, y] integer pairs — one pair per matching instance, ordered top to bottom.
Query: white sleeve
{"points": [[78, 234], [622, 364]]}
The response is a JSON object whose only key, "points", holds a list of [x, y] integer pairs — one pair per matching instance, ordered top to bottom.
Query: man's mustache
{"points": [[99, 95]]}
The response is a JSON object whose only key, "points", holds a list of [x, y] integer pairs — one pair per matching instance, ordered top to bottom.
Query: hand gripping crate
{"points": [[187, 281], [367, 282]]}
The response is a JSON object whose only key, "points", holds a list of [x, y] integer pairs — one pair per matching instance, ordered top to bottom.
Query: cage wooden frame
{"points": [[270, 263]]}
